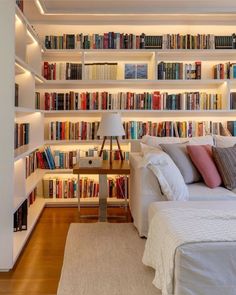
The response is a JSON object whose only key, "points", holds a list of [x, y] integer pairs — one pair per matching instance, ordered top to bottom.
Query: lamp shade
{"points": [[111, 125]]}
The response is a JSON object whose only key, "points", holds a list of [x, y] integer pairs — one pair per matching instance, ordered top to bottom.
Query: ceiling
{"points": [[52, 11]]}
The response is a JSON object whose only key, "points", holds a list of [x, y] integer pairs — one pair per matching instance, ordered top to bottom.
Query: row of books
{"points": [[112, 40], [178, 41], [225, 42], [62, 71], [101, 71], [178, 71], [225, 71], [132, 101], [191, 101], [133, 129], [137, 129], [73, 130], [21, 134], [45, 158], [67, 159], [30, 164], [60, 188], [66, 188], [32, 197], [20, 217]]}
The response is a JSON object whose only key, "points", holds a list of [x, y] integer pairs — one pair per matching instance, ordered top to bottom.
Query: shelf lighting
{"points": [[40, 7], [18, 19], [31, 36], [22, 68], [38, 79]]}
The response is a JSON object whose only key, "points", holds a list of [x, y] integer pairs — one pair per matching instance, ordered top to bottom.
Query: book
{"points": [[16, 95], [233, 100], [37, 101], [21, 134], [20, 217]]}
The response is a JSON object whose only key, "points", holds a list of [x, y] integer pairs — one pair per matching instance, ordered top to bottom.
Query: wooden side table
{"points": [[116, 167]]}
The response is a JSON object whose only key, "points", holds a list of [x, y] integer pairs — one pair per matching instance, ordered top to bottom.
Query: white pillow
{"points": [[203, 140], [156, 141], [224, 141], [145, 148], [168, 175]]}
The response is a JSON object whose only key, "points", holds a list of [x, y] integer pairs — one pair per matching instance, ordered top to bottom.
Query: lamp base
{"points": [[118, 144]]}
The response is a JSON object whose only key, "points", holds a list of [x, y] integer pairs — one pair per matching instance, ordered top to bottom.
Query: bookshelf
{"points": [[25, 55]]}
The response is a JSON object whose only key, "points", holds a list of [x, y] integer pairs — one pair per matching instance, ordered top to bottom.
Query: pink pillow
{"points": [[201, 155]]}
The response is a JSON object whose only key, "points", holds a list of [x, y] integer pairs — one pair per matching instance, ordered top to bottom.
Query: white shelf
{"points": [[23, 18], [24, 67], [76, 84], [22, 110], [143, 113], [79, 142], [24, 151], [59, 171], [33, 180], [17, 202], [53, 202], [61, 202], [21, 237]]}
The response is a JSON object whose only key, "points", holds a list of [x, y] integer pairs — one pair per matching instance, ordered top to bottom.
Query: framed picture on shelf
{"points": [[130, 71], [136, 71], [142, 71]]}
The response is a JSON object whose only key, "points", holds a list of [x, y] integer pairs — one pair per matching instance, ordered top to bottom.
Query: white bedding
{"points": [[171, 228]]}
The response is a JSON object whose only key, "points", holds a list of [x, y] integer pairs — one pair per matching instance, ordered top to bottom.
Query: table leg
{"points": [[103, 193], [78, 194]]}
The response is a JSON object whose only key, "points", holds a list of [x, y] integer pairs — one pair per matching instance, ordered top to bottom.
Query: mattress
{"points": [[203, 268]]}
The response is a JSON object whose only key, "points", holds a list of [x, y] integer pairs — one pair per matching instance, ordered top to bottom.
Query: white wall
{"points": [[7, 57]]}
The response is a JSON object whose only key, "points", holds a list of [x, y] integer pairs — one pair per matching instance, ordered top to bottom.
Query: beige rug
{"points": [[105, 259]]}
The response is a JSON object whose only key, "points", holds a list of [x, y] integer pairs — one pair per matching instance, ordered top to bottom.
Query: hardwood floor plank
{"points": [[38, 269]]}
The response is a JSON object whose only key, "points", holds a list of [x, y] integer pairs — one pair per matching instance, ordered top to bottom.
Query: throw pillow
{"points": [[224, 141], [179, 154], [202, 158], [225, 159], [168, 175]]}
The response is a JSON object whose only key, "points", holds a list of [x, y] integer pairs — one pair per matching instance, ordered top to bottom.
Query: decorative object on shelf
{"points": [[136, 71], [111, 126], [90, 162]]}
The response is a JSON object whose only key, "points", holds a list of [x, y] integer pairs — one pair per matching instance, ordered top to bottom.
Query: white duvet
{"points": [[173, 227]]}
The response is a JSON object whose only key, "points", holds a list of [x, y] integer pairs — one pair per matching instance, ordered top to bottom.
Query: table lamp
{"points": [[109, 127]]}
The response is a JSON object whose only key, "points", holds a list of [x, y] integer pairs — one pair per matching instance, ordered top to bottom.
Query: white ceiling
{"points": [[105, 11]]}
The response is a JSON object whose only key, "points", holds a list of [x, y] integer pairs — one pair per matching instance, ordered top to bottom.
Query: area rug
{"points": [[105, 259]]}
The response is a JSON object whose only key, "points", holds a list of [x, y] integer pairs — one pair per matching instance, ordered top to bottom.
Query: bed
{"points": [[192, 247]]}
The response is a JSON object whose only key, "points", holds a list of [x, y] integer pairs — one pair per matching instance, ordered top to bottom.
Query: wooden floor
{"points": [[37, 271]]}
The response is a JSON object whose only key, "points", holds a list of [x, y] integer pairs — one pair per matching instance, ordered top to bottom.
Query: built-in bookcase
{"points": [[29, 57]]}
